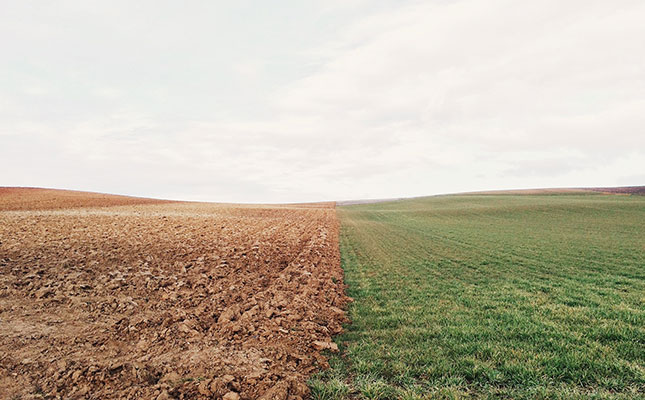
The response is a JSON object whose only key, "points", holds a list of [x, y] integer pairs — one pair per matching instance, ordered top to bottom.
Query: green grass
{"points": [[489, 296]]}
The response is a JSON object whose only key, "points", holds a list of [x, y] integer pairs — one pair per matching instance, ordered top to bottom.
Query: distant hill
{"points": [[629, 190], [638, 190], [23, 198], [29, 198], [365, 201]]}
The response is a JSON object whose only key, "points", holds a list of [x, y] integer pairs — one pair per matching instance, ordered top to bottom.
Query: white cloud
{"points": [[402, 99]]}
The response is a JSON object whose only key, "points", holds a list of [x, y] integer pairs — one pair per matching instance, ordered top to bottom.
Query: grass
{"points": [[489, 296]]}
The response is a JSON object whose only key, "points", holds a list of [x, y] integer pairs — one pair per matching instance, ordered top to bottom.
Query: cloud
{"points": [[402, 99]]}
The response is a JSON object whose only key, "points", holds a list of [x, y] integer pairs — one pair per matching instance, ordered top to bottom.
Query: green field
{"points": [[482, 296]]}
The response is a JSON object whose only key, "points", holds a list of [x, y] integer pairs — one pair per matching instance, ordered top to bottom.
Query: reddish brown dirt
{"points": [[636, 190], [12, 198], [174, 300]]}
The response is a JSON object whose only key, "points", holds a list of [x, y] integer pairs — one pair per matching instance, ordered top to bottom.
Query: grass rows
{"points": [[492, 296]]}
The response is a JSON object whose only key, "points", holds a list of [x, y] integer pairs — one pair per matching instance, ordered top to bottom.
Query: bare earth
{"points": [[12, 198], [146, 299]]}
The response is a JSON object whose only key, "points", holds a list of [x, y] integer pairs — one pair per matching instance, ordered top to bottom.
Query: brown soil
{"points": [[636, 190], [12, 198], [170, 300]]}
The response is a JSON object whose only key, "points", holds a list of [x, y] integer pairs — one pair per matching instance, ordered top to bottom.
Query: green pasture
{"points": [[492, 296]]}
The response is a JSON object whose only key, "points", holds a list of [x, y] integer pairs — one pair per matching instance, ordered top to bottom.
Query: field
{"points": [[532, 295], [481, 296], [117, 297]]}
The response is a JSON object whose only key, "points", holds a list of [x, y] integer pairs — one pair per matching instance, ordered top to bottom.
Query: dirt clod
{"points": [[320, 345], [277, 392], [164, 396], [231, 396]]}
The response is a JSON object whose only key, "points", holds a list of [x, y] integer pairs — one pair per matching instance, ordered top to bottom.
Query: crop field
{"points": [[481, 296], [116, 297]]}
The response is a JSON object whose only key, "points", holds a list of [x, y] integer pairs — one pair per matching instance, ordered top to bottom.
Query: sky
{"points": [[289, 101]]}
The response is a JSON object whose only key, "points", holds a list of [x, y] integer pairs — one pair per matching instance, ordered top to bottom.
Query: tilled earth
{"points": [[167, 300]]}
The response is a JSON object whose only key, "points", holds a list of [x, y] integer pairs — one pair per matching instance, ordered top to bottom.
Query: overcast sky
{"points": [[321, 100]]}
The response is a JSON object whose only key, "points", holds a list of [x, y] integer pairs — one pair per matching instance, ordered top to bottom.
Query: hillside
{"points": [[20, 198]]}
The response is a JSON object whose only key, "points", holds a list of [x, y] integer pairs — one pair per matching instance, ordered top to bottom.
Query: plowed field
{"points": [[167, 300]]}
